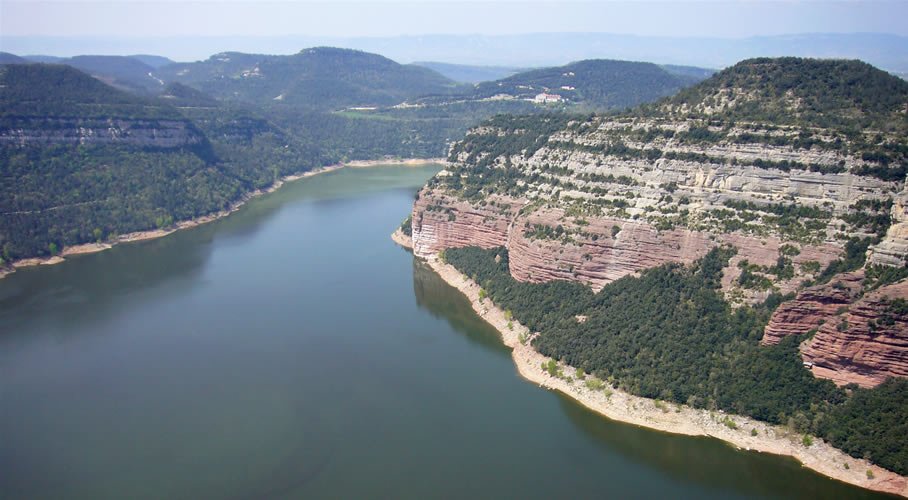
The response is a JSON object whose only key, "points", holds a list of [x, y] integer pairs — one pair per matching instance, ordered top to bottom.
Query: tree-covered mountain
{"points": [[7, 58], [40, 58], [153, 60], [125, 72], [132, 73], [321, 78], [594, 84], [57, 90], [794, 91], [353, 93], [181, 95], [83, 161], [779, 179]]}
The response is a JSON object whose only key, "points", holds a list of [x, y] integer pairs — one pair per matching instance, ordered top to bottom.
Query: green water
{"points": [[293, 351]]}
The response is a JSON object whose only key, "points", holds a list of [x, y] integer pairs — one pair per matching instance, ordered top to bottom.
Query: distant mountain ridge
{"points": [[885, 51], [7, 58], [124, 72], [466, 73], [318, 78], [596, 84]]}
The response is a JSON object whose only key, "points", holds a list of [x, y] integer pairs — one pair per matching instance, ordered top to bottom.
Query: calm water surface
{"points": [[293, 351]]}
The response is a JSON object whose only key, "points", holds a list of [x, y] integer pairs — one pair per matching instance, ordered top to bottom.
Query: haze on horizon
{"points": [[123, 25]]}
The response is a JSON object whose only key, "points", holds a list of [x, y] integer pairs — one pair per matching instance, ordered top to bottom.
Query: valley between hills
{"points": [[729, 248]]}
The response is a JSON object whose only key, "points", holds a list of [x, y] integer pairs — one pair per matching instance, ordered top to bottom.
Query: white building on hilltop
{"points": [[545, 98]]}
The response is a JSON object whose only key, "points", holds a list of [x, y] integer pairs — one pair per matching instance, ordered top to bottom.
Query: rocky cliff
{"points": [[45, 131], [592, 199], [575, 209], [813, 307], [866, 343]]}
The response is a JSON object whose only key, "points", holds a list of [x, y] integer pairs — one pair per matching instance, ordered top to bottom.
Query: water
{"points": [[293, 351]]}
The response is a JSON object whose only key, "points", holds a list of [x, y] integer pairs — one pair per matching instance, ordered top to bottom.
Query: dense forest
{"points": [[321, 78], [598, 84], [797, 91], [150, 161], [144, 165], [669, 334]]}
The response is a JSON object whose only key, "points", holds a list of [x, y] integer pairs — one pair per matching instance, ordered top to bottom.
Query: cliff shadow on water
{"points": [[444, 301]]}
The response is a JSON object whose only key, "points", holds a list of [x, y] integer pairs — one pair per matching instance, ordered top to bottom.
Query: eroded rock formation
{"points": [[140, 132], [610, 197], [865, 344]]}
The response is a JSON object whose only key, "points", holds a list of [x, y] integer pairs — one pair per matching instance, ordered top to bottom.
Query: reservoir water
{"points": [[292, 350]]}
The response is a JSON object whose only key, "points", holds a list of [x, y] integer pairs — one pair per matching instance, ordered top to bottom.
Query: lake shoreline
{"points": [[86, 248], [664, 416]]}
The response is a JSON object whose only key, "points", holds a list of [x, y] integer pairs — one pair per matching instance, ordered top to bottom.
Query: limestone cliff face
{"points": [[137, 132], [601, 199], [620, 213], [893, 250]]}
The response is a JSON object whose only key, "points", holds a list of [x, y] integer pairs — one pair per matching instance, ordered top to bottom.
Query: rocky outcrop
{"points": [[137, 132], [600, 199], [441, 221], [608, 249], [893, 250], [596, 252], [813, 307], [857, 338], [866, 344]]}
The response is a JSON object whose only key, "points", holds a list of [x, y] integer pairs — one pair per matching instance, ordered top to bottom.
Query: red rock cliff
{"points": [[866, 344]]}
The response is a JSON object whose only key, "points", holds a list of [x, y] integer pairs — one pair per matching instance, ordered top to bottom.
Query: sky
{"points": [[728, 18], [194, 30]]}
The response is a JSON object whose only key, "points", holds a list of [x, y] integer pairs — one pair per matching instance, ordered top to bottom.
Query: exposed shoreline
{"points": [[158, 233], [665, 416]]}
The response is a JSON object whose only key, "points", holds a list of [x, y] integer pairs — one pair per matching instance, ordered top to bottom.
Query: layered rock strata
{"points": [[139, 132], [608, 197], [813, 307], [867, 343]]}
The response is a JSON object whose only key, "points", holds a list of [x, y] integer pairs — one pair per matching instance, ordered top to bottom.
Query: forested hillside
{"points": [[126, 72], [320, 78], [595, 84], [794, 91], [84, 162], [776, 180], [669, 334]]}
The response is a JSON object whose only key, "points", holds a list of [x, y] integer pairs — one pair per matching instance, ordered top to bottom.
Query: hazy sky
{"points": [[729, 18]]}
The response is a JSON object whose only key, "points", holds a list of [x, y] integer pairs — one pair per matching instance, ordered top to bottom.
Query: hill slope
{"points": [[7, 58], [124, 72], [318, 78], [594, 84], [794, 91], [83, 161], [740, 175]]}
